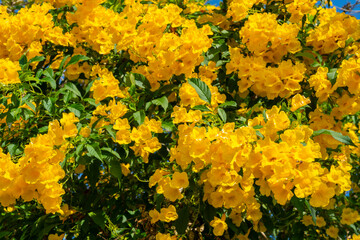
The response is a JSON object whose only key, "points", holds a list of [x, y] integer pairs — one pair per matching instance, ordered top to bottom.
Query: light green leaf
{"points": [[163, 102], [228, 104], [222, 114], [139, 116], [336, 135]]}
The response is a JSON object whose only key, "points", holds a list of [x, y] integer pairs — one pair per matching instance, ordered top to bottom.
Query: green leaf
{"points": [[305, 54], [37, 59], [76, 59], [23, 60], [63, 63], [332, 75], [71, 87], [201, 88], [163, 102], [228, 104], [31, 105], [48, 105], [76, 108], [202, 108], [222, 114], [139, 116], [110, 130], [259, 134], [336, 135], [94, 151], [112, 152], [115, 168], [298, 203], [312, 211], [98, 217], [182, 221]]}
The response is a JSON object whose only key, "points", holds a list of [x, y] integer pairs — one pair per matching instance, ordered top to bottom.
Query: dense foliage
{"points": [[172, 119]]}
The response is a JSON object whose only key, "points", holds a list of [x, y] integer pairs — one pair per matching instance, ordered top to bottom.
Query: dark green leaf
{"points": [[23, 60], [201, 88], [115, 168], [98, 218], [182, 221]]}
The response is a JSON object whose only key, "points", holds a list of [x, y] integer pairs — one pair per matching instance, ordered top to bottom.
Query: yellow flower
{"points": [[298, 101], [125, 169], [179, 180], [168, 214], [155, 216], [349, 216], [307, 220], [219, 225], [332, 232], [56, 237]]}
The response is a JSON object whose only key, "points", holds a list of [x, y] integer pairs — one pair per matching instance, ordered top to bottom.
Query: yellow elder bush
{"points": [[179, 120]]}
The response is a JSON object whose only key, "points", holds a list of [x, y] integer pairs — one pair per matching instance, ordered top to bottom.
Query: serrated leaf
{"points": [[76, 59], [51, 81], [71, 87], [201, 88], [163, 102], [48, 105], [76, 108], [222, 114], [139, 116], [336, 135], [94, 151], [116, 154], [312, 211], [98, 218], [182, 221]]}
